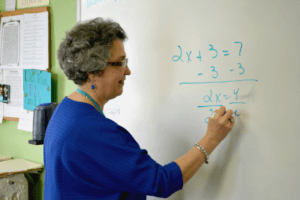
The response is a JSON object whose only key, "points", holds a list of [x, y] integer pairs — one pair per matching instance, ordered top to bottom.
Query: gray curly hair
{"points": [[86, 48]]}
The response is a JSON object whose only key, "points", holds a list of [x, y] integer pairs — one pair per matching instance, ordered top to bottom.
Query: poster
{"points": [[37, 88]]}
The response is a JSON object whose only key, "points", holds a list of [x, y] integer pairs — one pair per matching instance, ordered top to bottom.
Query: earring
{"points": [[93, 86]]}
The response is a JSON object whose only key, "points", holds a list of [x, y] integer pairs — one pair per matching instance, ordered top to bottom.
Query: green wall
{"points": [[14, 142]]}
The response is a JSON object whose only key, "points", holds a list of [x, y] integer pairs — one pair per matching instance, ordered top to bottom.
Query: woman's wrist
{"points": [[208, 144], [193, 160]]}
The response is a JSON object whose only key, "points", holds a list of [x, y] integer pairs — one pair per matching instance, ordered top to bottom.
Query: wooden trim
{"points": [[21, 12], [11, 119]]}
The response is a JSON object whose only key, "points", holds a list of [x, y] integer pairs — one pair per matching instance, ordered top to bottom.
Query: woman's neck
{"points": [[76, 96]]}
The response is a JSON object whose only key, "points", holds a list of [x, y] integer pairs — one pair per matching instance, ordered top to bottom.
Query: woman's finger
{"points": [[221, 112]]}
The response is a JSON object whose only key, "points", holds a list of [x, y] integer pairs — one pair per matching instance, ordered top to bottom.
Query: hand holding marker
{"points": [[220, 124]]}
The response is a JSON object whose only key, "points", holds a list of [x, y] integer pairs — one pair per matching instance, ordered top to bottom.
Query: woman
{"points": [[88, 156]]}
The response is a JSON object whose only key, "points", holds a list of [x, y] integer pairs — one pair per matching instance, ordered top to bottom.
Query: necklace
{"points": [[89, 97]]}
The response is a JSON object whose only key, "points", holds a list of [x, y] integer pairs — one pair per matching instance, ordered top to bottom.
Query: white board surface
{"points": [[189, 57]]}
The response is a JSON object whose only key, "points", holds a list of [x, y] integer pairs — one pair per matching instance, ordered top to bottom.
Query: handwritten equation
{"points": [[90, 3], [226, 53], [215, 54], [216, 99]]}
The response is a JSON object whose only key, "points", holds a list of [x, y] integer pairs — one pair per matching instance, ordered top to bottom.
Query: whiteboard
{"points": [[189, 57]]}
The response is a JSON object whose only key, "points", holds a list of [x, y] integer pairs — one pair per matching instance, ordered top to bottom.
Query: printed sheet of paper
{"points": [[10, 5], [11, 39], [24, 41], [35, 44], [1, 76], [14, 78], [26, 120]]}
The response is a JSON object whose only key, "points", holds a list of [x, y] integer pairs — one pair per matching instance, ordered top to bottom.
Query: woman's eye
{"points": [[117, 64]]}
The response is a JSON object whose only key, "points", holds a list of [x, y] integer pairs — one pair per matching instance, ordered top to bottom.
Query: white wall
{"points": [[259, 159]]}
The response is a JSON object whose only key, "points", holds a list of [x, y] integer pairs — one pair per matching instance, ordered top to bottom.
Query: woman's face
{"points": [[111, 82], [1, 90]]}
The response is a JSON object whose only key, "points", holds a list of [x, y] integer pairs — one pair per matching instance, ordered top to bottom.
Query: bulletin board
{"points": [[30, 11]]}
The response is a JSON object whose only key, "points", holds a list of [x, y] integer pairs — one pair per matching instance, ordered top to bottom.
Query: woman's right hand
{"points": [[219, 126]]}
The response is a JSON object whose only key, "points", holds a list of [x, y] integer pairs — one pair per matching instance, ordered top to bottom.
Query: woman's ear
{"points": [[93, 75], [89, 76]]}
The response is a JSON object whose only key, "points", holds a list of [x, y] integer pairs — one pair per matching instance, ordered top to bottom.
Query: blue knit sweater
{"points": [[88, 156]]}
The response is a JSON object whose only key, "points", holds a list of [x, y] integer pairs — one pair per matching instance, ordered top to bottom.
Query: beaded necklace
{"points": [[89, 97]]}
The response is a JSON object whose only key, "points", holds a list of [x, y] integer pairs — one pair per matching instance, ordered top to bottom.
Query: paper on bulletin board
{"points": [[34, 3], [10, 5], [11, 32], [24, 41], [1, 76], [13, 78], [36, 87], [26, 121]]}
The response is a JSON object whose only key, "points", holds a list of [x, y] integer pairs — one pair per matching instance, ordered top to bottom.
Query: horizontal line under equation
{"points": [[190, 83], [221, 105]]}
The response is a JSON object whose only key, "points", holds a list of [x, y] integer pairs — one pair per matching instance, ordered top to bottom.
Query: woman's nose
{"points": [[127, 72]]}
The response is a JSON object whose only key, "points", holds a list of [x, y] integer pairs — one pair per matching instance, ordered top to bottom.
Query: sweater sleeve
{"points": [[99, 159]]}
